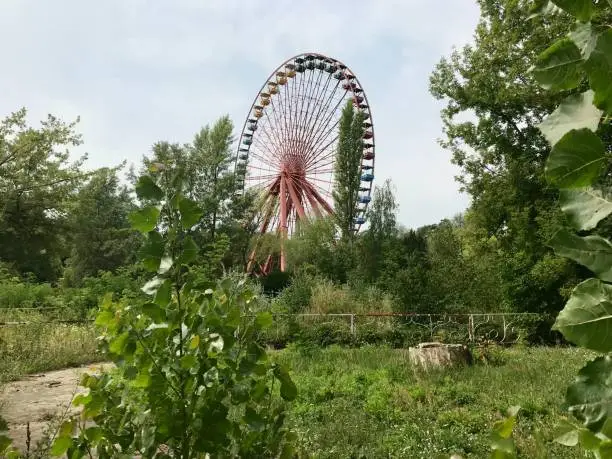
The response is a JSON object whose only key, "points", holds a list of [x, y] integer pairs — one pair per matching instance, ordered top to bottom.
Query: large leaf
{"points": [[580, 9], [585, 38], [559, 66], [599, 70], [575, 112], [576, 160], [147, 189], [585, 207], [190, 212], [144, 220], [152, 251], [190, 251], [594, 252], [586, 319], [288, 390], [589, 398]]}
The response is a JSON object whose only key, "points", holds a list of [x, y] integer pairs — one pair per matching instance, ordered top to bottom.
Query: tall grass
{"points": [[38, 347], [370, 402]]}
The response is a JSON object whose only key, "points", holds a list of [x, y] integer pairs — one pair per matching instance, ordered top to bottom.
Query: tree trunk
{"points": [[437, 355]]}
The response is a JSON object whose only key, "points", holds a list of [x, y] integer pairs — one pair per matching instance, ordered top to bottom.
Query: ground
{"points": [[38, 399]]}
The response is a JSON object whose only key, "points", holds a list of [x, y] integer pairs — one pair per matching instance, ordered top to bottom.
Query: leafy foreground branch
{"points": [[579, 165], [191, 379]]}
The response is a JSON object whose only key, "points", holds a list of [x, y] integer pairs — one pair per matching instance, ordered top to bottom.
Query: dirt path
{"points": [[39, 399]]}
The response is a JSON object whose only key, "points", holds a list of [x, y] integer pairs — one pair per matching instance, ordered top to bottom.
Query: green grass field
{"points": [[370, 403]]}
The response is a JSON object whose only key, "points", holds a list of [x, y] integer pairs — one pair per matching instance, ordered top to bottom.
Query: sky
{"points": [[140, 71]]}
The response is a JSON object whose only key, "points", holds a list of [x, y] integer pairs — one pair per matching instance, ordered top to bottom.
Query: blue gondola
{"points": [[247, 141], [367, 177], [364, 199], [359, 220]]}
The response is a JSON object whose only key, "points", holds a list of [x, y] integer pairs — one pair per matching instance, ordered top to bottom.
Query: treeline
{"points": [[65, 235]]}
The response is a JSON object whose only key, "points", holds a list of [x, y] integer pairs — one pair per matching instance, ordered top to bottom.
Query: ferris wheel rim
{"points": [[366, 187]]}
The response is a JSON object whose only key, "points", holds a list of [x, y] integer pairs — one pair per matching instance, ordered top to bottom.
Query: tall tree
{"points": [[498, 146], [210, 157], [347, 168], [37, 184], [101, 237]]}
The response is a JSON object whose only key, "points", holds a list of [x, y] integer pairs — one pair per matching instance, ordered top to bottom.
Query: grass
{"points": [[38, 347], [369, 402]]}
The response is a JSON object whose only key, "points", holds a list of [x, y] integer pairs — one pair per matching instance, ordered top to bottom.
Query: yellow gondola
{"points": [[281, 80], [273, 89], [264, 101], [258, 113]]}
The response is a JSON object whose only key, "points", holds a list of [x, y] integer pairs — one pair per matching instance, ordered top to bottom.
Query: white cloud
{"points": [[138, 71]]}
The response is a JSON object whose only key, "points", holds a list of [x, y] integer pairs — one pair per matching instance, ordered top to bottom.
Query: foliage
{"points": [[493, 105], [577, 159], [347, 173], [37, 181], [100, 236], [190, 376]]}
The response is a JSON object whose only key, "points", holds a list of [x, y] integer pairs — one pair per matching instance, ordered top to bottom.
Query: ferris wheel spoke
{"points": [[315, 94], [323, 108], [324, 134], [271, 136], [265, 154]]}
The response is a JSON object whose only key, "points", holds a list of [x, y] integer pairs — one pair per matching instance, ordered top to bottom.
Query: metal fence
{"points": [[503, 328]]}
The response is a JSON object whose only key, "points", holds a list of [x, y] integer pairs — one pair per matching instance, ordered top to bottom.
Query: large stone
{"points": [[435, 355]]}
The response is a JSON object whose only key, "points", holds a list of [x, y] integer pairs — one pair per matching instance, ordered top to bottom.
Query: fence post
{"points": [[352, 324], [471, 328]]}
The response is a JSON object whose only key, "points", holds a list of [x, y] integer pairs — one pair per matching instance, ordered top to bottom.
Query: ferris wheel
{"points": [[287, 147]]}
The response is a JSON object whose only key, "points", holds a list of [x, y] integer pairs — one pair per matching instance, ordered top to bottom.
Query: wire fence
{"points": [[399, 328]]}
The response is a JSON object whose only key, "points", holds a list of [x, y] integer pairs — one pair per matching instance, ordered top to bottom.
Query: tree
{"points": [[499, 149], [210, 159], [347, 169], [37, 184], [382, 229], [101, 237]]}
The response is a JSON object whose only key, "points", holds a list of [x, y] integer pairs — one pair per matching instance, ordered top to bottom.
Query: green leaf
{"points": [[580, 9], [585, 38], [559, 66], [599, 70], [575, 112], [576, 160], [147, 189], [584, 207], [190, 212], [144, 220], [152, 251], [190, 251], [594, 252], [165, 264], [151, 287], [164, 293], [153, 311], [586, 319], [264, 320], [194, 342], [118, 343], [188, 361], [288, 390], [589, 397], [253, 419], [3, 425], [504, 428], [93, 434], [567, 435], [588, 440], [5, 443], [60, 446]]}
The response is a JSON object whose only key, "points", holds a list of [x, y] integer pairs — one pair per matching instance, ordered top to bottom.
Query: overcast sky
{"points": [[138, 71]]}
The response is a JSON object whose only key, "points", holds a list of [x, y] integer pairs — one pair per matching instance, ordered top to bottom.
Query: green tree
{"points": [[493, 107], [210, 158], [347, 169], [37, 184], [101, 237]]}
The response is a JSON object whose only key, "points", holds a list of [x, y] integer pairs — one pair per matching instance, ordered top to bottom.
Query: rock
{"points": [[435, 355]]}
